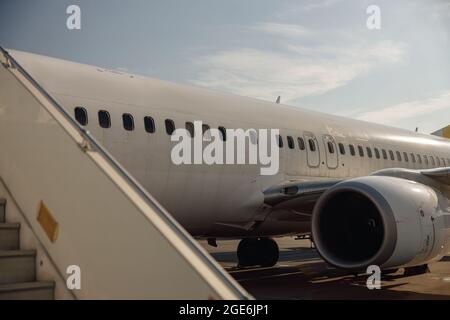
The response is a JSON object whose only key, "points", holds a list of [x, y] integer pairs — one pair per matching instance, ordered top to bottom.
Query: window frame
{"points": [[104, 112], [85, 113], [129, 116], [169, 125], [189, 126], [152, 127], [223, 132], [280, 141], [290, 142], [301, 143], [312, 145], [330, 147], [351, 147], [341, 148], [360, 151], [377, 153], [391, 155]]}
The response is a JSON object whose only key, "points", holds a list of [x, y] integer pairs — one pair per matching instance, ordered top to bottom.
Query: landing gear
{"points": [[257, 252], [416, 270], [389, 271]]}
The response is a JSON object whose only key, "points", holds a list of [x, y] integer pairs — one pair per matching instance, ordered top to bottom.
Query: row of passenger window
{"points": [[104, 120], [399, 156]]}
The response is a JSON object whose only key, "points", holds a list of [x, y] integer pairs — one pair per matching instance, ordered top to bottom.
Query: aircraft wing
{"points": [[440, 174], [300, 196]]}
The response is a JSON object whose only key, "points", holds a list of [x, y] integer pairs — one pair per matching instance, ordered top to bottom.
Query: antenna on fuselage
{"points": [[278, 100]]}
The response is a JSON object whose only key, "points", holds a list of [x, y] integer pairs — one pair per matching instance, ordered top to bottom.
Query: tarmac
{"points": [[301, 274]]}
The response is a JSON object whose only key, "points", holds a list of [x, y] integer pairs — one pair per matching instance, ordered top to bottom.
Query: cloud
{"points": [[320, 5], [440, 9], [284, 30], [293, 70], [407, 110]]}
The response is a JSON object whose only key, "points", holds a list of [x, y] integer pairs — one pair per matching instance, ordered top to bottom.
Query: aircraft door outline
{"points": [[331, 151], [313, 156]]}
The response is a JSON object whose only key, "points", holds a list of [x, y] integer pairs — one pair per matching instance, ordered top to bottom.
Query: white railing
{"points": [[96, 215]]}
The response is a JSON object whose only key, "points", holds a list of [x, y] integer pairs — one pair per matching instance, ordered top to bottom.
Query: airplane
{"points": [[368, 194]]}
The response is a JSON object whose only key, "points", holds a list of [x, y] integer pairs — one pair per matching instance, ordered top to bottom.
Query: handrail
{"points": [[90, 143]]}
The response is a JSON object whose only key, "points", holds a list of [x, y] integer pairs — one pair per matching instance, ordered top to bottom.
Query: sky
{"points": [[315, 54]]}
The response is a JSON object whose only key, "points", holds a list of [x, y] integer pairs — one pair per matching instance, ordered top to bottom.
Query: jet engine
{"points": [[380, 220]]}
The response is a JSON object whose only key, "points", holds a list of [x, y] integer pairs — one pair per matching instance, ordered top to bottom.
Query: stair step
{"points": [[2, 210], [9, 236], [17, 266], [38, 290]]}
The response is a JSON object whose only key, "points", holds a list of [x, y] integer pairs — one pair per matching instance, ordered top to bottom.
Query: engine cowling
{"points": [[379, 220]]}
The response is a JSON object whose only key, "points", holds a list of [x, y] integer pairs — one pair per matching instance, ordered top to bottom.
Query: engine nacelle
{"points": [[380, 220]]}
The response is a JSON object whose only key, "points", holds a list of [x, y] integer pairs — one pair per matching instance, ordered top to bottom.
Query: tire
{"points": [[269, 252], [246, 253], [389, 271]]}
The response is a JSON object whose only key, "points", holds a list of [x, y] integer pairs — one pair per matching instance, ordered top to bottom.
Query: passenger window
{"points": [[81, 115], [104, 120], [128, 122], [149, 124], [170, 126], [190, 128], [206, 132], [223, 133], [254, 138], [280, 141], [290, 141], [301, 143], [312, 145], [330, 147], [341, 148], [352, 149], [361, 151], [369, 152], [377, 153], [384, 154], [391, 155], [399, 156], [405, 156], [419, 158], [413, 159], [425, 159], [432, 161], [438, 162], [443, 162]]}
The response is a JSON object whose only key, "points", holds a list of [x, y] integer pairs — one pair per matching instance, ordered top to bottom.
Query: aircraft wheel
{"points": [[257, 251], [247, 252], [269, 252], [416, 270], [389, 271]]}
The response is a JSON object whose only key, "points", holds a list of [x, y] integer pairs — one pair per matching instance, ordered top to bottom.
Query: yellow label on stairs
{"points": [[47, 222]]}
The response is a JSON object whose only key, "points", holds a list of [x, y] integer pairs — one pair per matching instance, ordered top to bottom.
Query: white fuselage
{"points": [[221, 200]]}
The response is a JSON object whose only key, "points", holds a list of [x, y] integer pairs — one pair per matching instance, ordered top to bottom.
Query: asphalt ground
{"points": [[301, 274]]}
